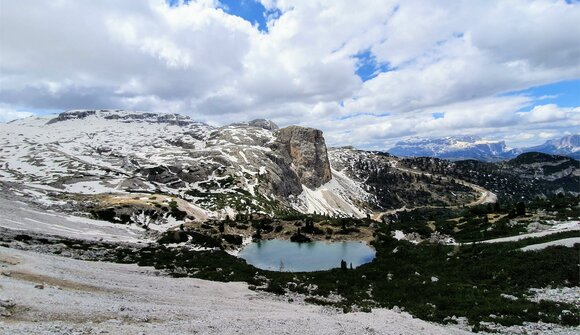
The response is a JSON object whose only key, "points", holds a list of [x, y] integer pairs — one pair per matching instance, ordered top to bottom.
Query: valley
{"points": [[290, 167], [464, 244]]}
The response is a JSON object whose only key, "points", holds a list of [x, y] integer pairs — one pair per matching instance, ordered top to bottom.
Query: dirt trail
{"points": [[486, 196]]}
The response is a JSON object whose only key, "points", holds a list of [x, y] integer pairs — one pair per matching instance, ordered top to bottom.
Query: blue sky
{"points": [[250, 10], [254, 12], [367, 66], [367, 76], [563, 93]]}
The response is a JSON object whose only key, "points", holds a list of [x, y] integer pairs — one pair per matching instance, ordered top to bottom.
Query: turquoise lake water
{"points": [[284, 255]]}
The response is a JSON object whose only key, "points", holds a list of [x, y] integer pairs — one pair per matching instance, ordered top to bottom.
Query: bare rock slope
{"points": [[127, 299]]}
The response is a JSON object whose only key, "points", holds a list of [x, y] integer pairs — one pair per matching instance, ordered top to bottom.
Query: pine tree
{"points": [[521, 209]]}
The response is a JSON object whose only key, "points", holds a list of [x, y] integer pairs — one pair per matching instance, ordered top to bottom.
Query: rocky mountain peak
{"points": [[125, 116], [258, 123], [263, 123], [568, 141], [568, 145], [453, 147], [473, 147], [306, 149]]}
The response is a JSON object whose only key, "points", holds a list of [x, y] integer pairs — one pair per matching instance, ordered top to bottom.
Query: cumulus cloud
{"points": [[454, 58], [550, 113], [6, 114]]}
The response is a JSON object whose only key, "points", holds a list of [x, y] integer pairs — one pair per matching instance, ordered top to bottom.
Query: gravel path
{"points": [[46, 294]]}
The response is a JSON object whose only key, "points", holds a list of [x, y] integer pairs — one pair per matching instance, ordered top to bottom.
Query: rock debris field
{"points": [[46, 294]]}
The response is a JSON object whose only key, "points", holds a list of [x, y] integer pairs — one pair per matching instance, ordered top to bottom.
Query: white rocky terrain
{"points": [[102, 161], [251, 166], [21, 217], [48, 294], [55, 295]]}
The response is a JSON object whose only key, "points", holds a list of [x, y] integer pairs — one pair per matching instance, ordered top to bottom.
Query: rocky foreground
{"points": [[45, 294]]}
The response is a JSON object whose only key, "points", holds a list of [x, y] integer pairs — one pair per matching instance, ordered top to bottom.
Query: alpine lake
{"points": [[283, 255]]}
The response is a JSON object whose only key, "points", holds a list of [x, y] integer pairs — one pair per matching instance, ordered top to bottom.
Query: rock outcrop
{"points": [[126, 116], [258, 123], [263, 123], [306, 150]]}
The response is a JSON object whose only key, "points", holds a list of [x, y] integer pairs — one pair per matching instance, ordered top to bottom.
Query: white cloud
{"points": [[451, 57], [550, 113], [7, 114], [494, 118]]}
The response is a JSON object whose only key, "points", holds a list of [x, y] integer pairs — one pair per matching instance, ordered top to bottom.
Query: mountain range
{"points": [[472, 147], [117, 165], [183, 198]]}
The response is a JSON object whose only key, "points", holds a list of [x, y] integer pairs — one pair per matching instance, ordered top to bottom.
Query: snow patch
{"points": [[336, 197], [555, 228], [566, 242]]}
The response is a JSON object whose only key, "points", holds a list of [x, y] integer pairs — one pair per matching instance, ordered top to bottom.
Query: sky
{"points": [[367, 73]]}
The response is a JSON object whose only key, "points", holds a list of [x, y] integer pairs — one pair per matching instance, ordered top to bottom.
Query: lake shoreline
{"points": [[327, 230], [287, 256]]}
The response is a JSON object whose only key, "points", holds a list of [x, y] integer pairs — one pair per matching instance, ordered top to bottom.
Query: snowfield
{"points": [[19, 216], [556, 228], [566, 242], [569, 295], [81, 297]]}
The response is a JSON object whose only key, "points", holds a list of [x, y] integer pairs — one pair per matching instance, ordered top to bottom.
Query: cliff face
{"points": [[305, 149]]}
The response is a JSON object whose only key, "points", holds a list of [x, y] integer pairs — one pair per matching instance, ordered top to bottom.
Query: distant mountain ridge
{"points": [[566, 146], [473, 147]]}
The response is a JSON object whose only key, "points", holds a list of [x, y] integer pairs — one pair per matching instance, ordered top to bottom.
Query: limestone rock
{"points": [[263, 123], [306, 150], [245, 167]]}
